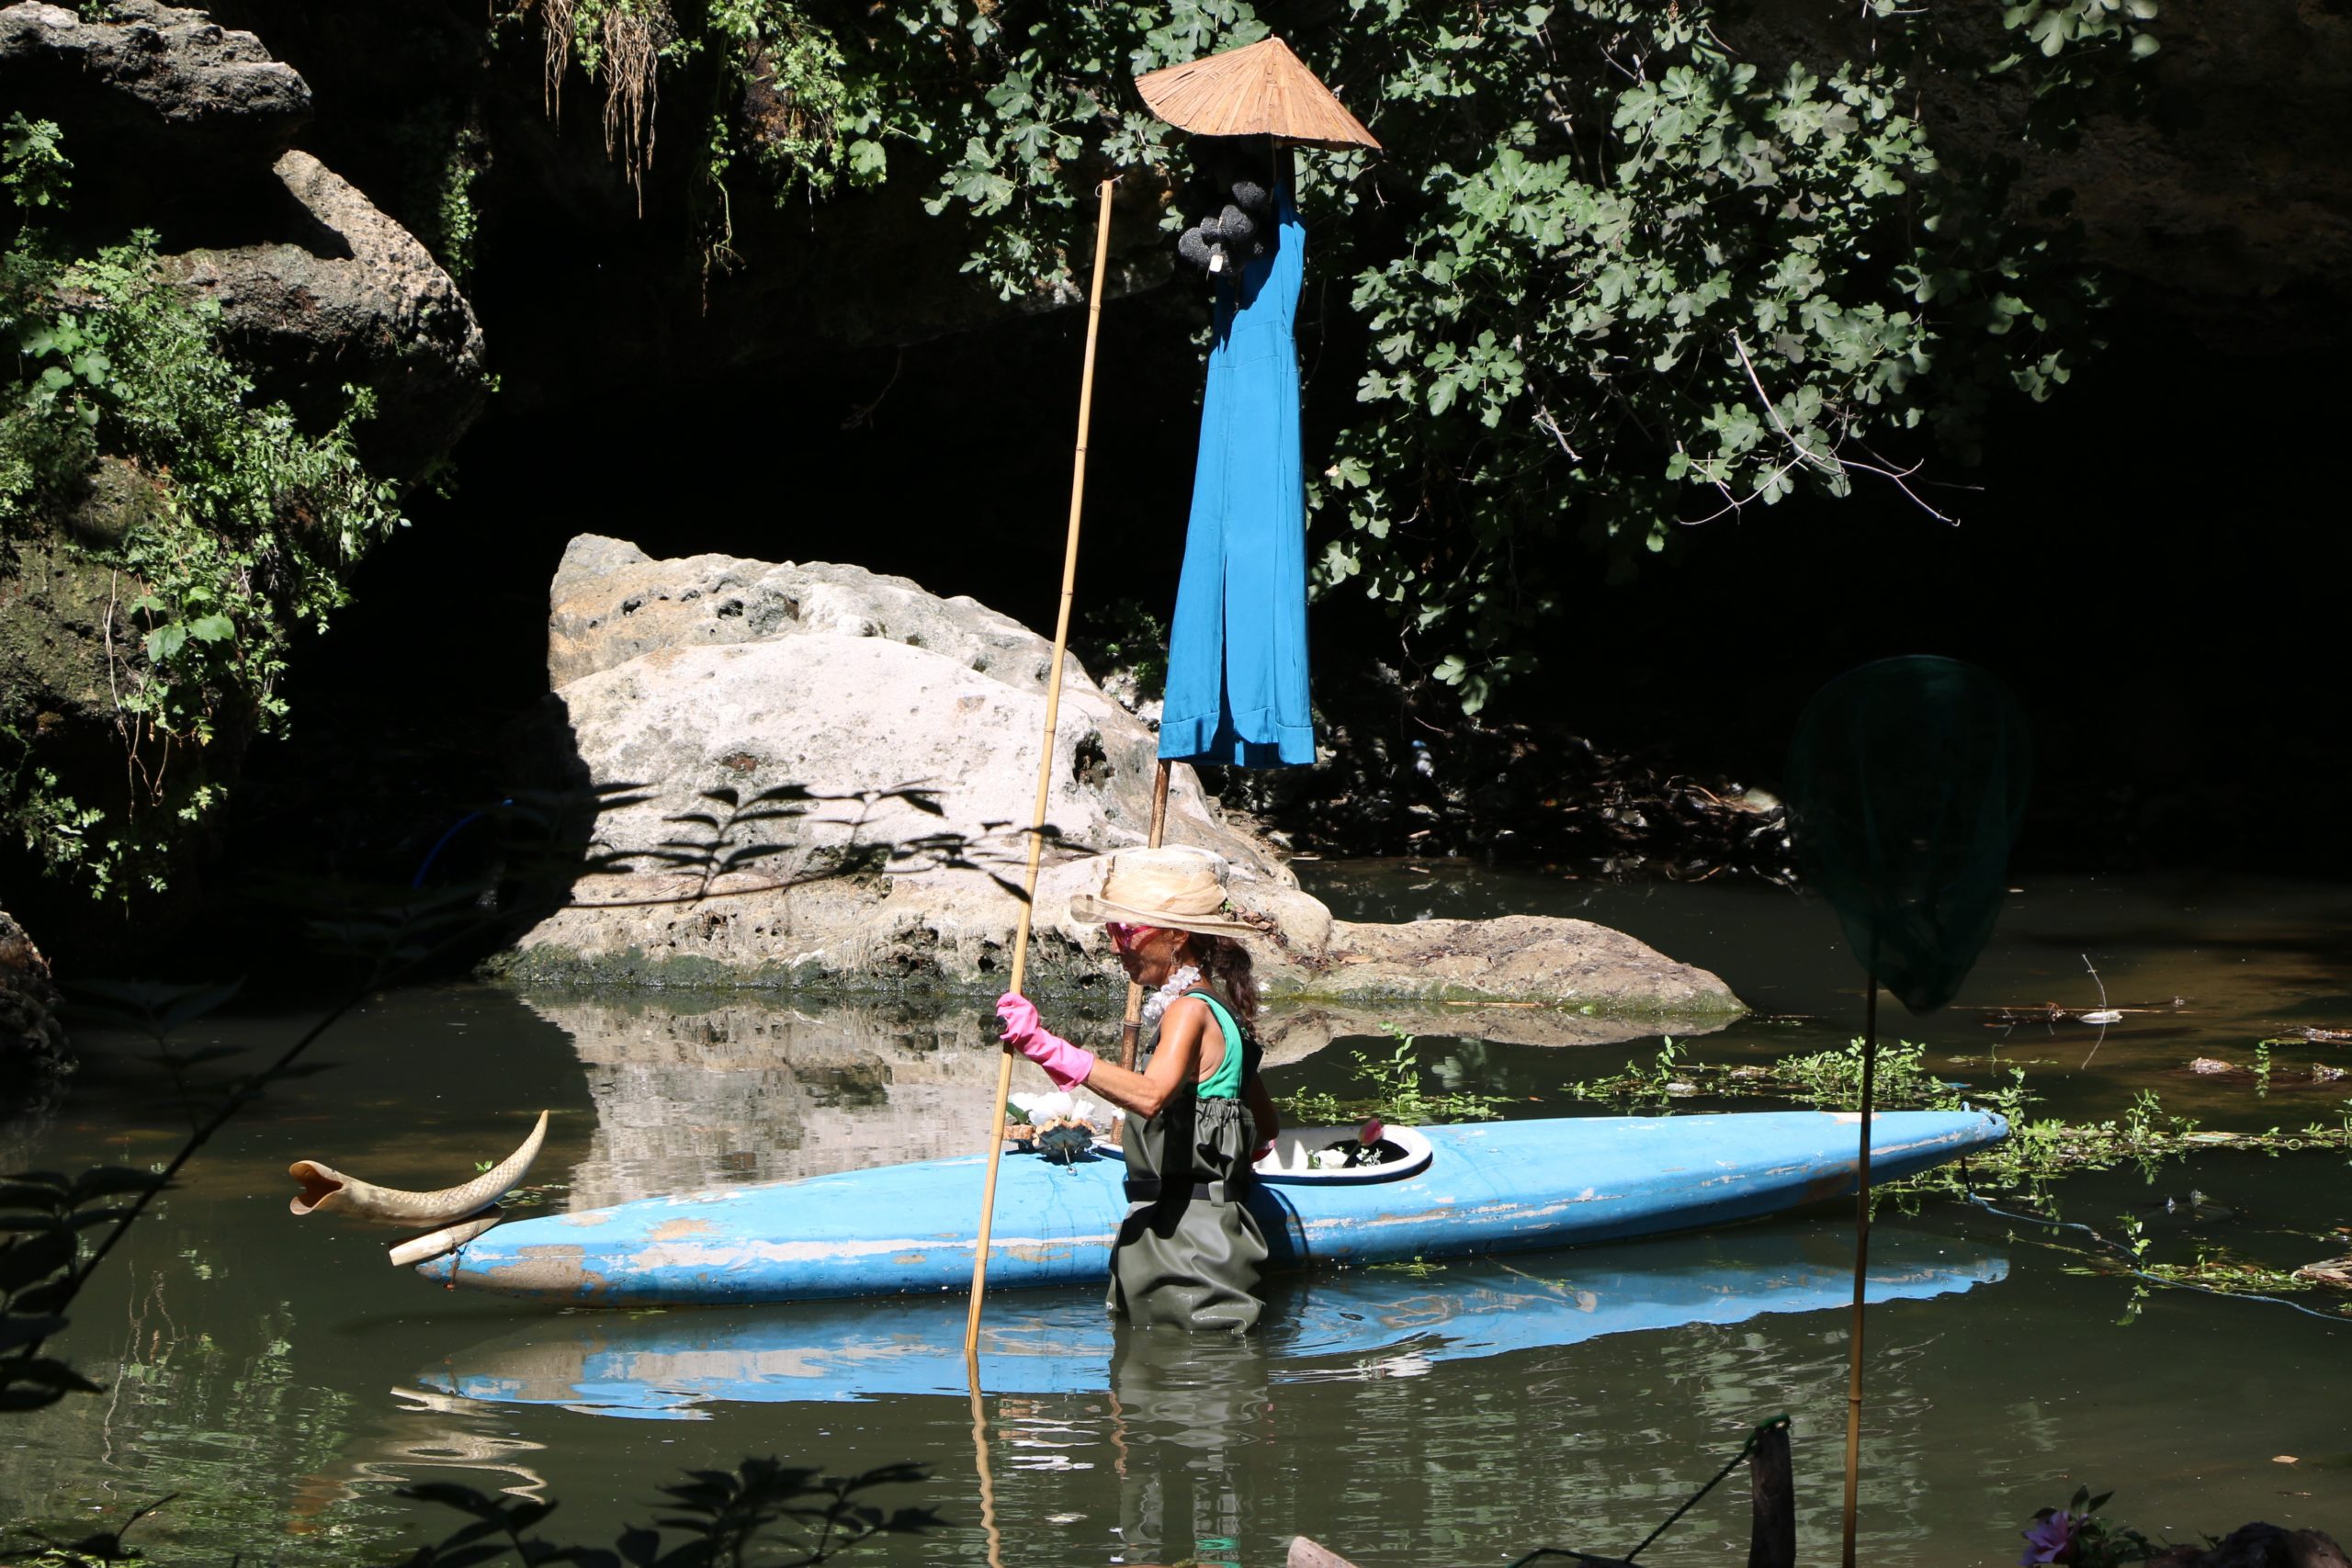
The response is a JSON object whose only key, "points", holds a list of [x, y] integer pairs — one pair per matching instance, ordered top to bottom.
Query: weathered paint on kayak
{"points": [[1492, 1187], [1352, 1326]]}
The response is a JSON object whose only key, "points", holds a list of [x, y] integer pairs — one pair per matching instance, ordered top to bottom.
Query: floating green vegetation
{"points": [[1395, 1093], [2038, 1149], [2038, 1152], [2214, 1271], [2227, 1273]]}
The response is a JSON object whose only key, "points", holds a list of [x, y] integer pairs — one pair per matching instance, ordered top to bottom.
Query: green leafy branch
{"points": [[1617, 280], [240, 525]]}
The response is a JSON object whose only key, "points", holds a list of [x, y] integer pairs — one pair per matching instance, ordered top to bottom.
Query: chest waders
{"points": [[1188, 1253]]}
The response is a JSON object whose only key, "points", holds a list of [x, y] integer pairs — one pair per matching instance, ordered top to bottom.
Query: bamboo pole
{"points": [[1132, 1027], [992, 1154], [1861, 1263]]}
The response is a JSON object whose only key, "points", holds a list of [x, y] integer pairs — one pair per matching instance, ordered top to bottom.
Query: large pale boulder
{"points": [[712, 674], [711, 683], [1474, 962]]}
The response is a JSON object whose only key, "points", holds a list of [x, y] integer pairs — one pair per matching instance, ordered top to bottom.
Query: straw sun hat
{"points": [[1175, 888]]}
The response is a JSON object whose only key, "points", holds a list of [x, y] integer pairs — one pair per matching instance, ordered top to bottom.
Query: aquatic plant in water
{"points": [[1397, 1093], [2037, 1150], [2075, 1534]]}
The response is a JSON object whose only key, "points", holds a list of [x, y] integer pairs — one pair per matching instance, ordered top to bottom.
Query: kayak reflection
{"points": [[1358, 1324]]}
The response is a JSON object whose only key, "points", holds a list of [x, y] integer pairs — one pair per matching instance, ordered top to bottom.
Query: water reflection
{"points": [[693, 1094], [707, 1096], [1351, 1327], [245, 1357], [194, 1408], [1182, 1411], [424, 1436], [1102, 1444]]}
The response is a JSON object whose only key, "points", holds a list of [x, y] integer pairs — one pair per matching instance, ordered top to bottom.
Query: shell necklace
{"points": [[1175, 986]]}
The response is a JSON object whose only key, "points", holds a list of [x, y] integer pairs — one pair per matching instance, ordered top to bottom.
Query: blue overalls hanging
{"points": [[1237, 645]]}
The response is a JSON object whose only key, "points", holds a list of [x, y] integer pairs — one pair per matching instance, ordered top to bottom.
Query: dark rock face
{"points": [[190, 85], [172, 119], [178, 125], [2215, 186], [2232, 195], [2226, 196], [590, 285], [353, 299], [67, 646], [34, 1055], [2259, 1546]]}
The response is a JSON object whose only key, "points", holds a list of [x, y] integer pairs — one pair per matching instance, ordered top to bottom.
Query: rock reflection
{"points": [[730, 1090], [736, 1091]]}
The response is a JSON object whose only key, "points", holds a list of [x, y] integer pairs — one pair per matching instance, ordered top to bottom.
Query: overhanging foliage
{"points": [[1627, 270]]}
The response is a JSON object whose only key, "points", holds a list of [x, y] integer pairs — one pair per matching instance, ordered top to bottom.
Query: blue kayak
{"points": [[1465, 1191], [1355, 1326]]}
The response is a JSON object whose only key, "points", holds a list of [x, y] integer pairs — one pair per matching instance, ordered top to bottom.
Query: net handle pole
{"points": [[1131, 1027], [991, 1152], [1861, 1263]]}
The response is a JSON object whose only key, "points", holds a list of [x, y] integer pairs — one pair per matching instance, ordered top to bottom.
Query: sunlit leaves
{"points": [[1619, 278], [1645, 283]]}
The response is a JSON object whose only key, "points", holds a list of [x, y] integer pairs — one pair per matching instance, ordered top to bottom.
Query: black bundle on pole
{"points": [[1906, 784]]}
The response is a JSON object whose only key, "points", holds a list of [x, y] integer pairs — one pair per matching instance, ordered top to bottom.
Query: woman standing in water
{"points": [[1188, 1251]]}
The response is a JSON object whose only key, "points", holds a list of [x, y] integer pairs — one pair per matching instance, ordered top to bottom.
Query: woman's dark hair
{"points": [[1226, 965]]}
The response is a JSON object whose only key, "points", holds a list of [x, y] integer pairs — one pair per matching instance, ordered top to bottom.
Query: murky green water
{"points": [[283, 1381]]}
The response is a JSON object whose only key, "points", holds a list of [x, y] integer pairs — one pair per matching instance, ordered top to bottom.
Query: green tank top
{"points": [[1226, 1082]]}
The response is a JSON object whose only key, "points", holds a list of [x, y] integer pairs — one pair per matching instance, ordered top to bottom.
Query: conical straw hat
{"points": [[1261, 90]]}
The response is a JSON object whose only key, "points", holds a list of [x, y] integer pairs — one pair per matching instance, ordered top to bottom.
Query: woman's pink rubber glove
{"points": [[1064, 1063]]}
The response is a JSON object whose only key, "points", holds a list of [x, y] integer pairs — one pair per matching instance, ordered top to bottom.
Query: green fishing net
{"points": [[1906, 783]]}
